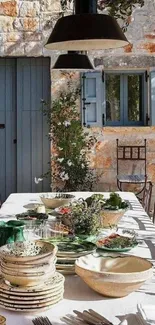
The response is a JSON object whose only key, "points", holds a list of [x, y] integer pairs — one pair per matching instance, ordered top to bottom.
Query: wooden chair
{"points": [[129, 154], [147, 194]]}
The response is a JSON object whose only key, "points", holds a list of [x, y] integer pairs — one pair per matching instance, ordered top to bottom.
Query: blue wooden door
{"points": [[7, 127], [24, 144], [33, 148]]}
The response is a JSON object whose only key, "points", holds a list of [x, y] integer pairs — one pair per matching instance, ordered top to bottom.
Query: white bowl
{"points": [[52, 202], [27, 251], [28, 269], [114, 276], [27, 280]]}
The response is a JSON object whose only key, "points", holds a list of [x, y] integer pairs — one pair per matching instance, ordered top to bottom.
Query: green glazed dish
{"points": [[11, 231], [119, 250]]}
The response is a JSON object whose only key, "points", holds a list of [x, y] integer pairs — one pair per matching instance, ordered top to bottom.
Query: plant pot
{"points": [[111, 217]]}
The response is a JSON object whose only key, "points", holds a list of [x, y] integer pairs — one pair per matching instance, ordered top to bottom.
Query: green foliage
{"points": [[120, 9], [71, 145], [95, 198], [115, 202], [82, 219]]}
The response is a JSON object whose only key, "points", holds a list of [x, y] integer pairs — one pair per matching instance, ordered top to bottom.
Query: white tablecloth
{"points": [[77, 294]]}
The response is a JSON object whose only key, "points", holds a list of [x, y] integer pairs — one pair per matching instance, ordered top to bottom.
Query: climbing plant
{"points": [[120, 9], [71, 145]]}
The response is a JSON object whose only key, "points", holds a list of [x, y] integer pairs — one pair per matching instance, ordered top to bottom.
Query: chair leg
{"points": [[119, 185], [150, 196], [153, 217]]}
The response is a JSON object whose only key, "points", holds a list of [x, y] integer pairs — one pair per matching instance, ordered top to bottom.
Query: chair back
{"points": [[131, 153]]}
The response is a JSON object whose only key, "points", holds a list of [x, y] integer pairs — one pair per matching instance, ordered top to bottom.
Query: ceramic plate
{"points": [[72, 247], [119, 250], [74, 254], [66, 259], [65, 266], [67, 272], [46, 286], [31, 296], [32, 302], [31, 309]]}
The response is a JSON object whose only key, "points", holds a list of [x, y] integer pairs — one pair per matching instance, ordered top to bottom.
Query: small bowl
{"points": [[52, 202], [27, 251], [40, 268], [28, 273], [115, 276], [27, 281]]}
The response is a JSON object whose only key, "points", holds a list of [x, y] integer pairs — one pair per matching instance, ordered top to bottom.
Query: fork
{"points": [[41, 321]]}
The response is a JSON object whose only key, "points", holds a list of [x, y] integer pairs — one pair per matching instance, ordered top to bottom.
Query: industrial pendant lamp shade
{"points": [[82, 32], [73, 61]]}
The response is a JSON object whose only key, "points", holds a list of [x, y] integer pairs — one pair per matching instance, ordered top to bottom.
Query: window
{"points": [[114, 98], [125, 98]]}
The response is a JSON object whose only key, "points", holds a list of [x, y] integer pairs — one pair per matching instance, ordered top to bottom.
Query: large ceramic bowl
{"points": [[52, 202], [111, 217], [27, 251], [114, 276]]}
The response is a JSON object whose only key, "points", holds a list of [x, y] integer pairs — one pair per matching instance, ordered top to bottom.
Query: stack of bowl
{"points": [[28, 263], [28, 270]]}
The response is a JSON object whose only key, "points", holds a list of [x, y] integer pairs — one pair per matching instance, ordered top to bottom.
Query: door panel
{"points": [[8, 133], [33, 149]]}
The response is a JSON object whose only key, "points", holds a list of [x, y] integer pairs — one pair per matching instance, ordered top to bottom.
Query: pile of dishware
{"points": [[69, 249], [30, 266], [114, 275], [32, 299]]}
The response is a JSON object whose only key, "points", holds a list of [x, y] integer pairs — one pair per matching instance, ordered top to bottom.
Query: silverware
{"points": [[100, 317], [87, 318], [41, 321]]}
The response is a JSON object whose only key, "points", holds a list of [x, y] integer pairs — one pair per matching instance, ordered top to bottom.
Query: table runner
{"points": [[77, 294]]}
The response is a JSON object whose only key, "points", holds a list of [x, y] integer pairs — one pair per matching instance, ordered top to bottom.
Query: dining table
{"points": [[77, 294]]}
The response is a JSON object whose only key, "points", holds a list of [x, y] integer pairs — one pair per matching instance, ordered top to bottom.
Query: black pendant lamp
{"points": [[86, 30], [73, 61]]}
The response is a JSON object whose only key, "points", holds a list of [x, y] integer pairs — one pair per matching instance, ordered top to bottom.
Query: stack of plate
{"points": [[66, 259], [31, 299]]}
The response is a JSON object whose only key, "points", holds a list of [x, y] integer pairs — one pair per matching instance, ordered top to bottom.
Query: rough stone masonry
{"points": [[24, 28]]}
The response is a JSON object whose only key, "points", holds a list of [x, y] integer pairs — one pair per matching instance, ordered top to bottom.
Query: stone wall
{"points": [[26, 24], [24, 28]]}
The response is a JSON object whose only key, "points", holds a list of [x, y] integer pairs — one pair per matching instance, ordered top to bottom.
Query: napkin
{"points": [[145, 316], [131, 320]]}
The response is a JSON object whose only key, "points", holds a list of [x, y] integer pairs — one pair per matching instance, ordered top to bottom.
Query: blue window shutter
{"points": [[92, 99], [152, 99]]}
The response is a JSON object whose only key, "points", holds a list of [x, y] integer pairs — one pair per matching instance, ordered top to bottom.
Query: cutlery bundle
{"points": [[87, 317], [41, 321]]}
